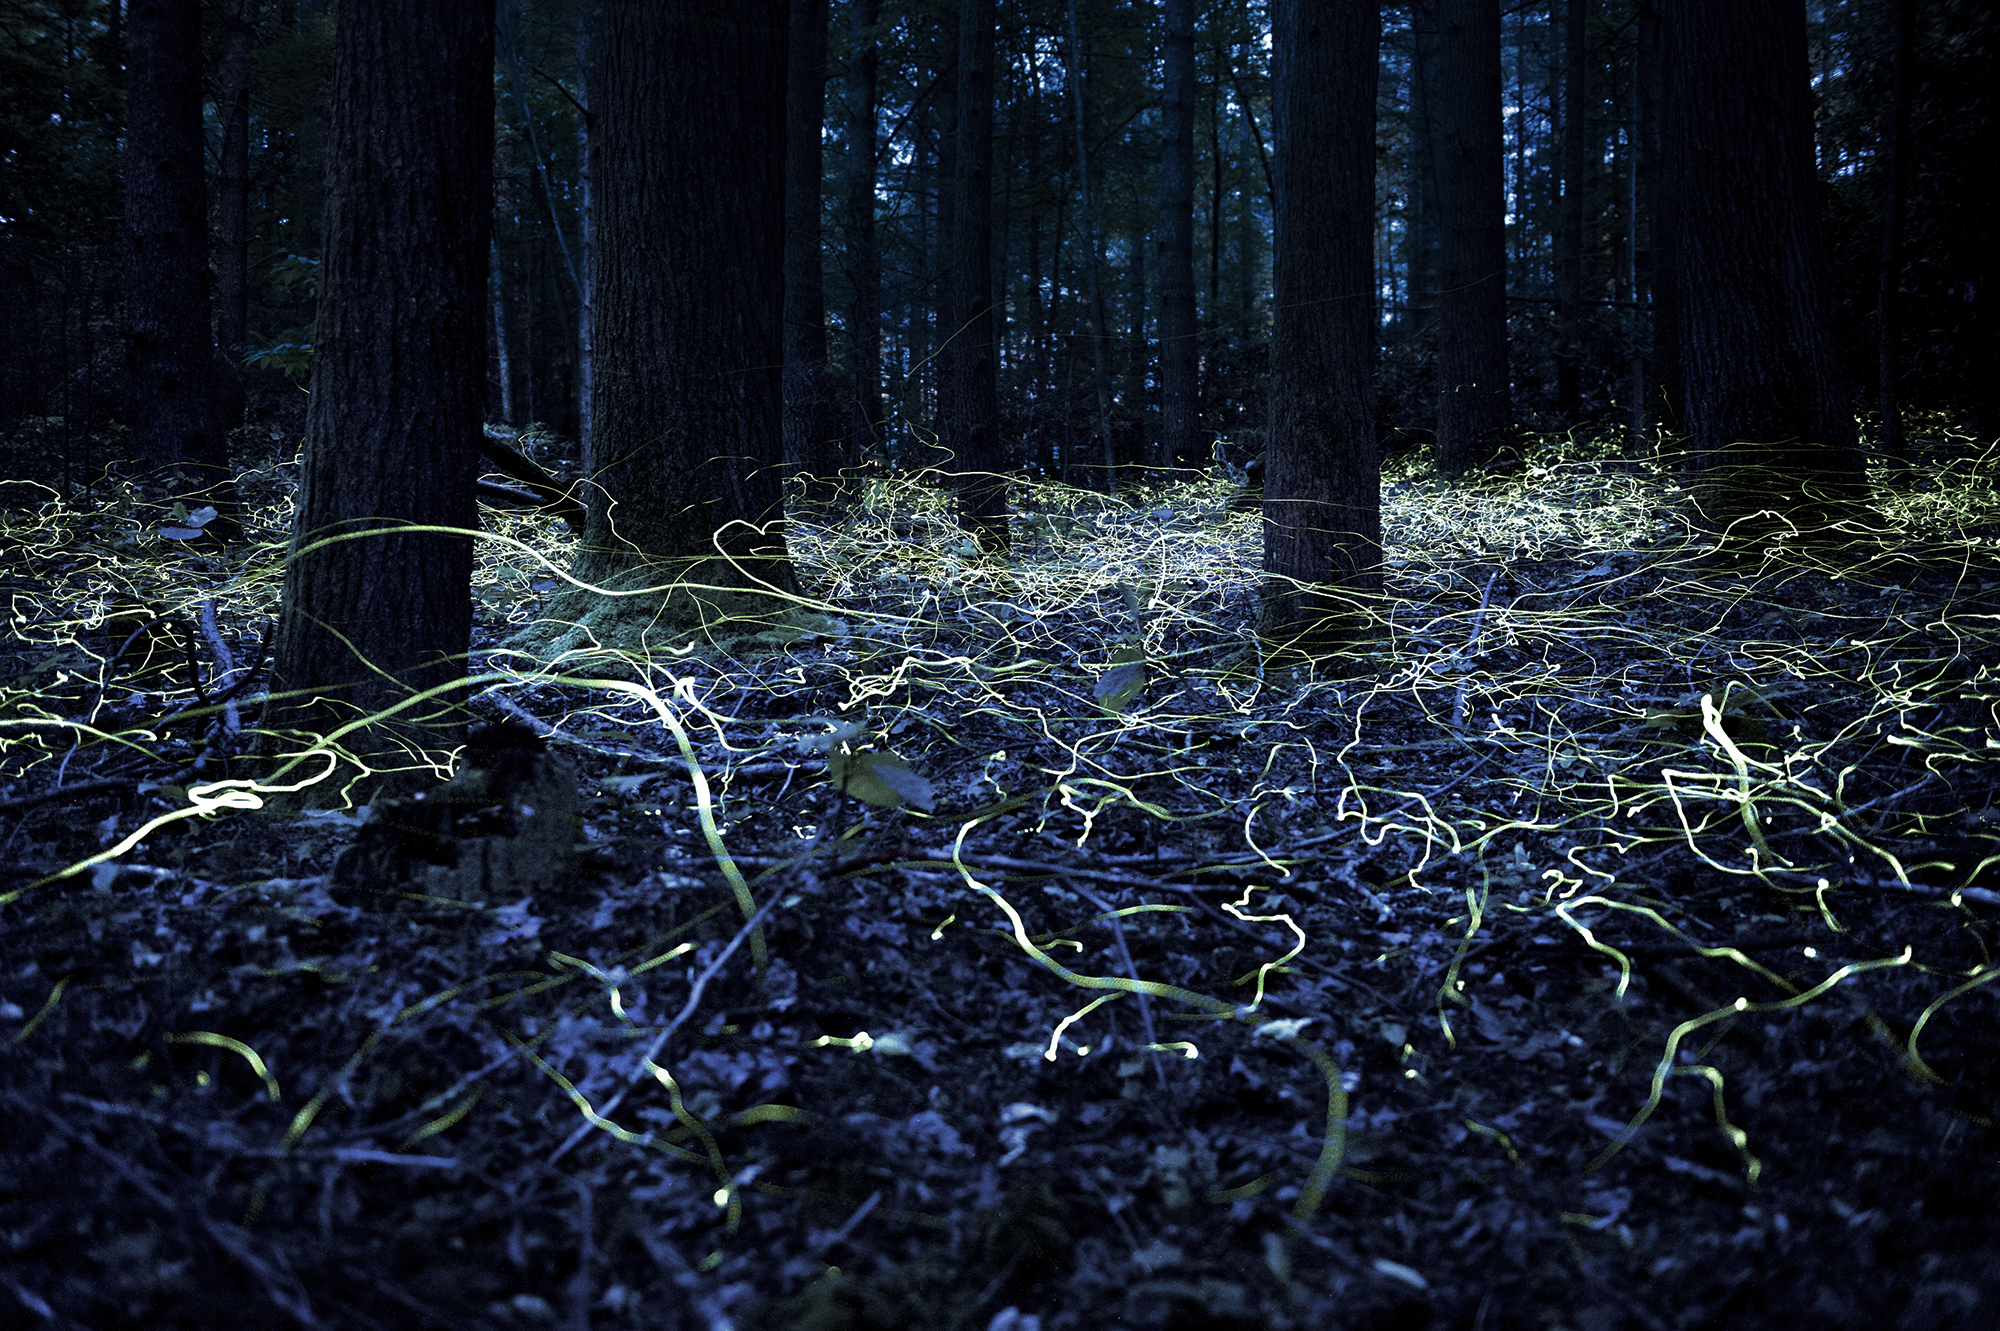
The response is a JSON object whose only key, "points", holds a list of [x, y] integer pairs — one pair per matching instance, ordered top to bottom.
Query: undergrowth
{"points": [[1604, 944]]}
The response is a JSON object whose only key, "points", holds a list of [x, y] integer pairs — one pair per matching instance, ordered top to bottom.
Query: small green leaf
{"points": [[1120, 684], [881, 779]]}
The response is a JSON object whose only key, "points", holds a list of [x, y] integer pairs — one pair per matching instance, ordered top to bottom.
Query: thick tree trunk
{"points": [[590, 18], [689, 110], [1423, 171], [1656, 198], [232, 210], [1569, 236], [1093, 253], [863, 258], [1889, 277], [170, 348], [1180, 349], [972, 399], [1473, 400], [1765, 409], [809, 428], [1322, 489], [371, 617]]}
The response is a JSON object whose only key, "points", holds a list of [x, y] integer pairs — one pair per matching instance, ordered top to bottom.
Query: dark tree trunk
{"points": [[590, 18], [689, 109], [1896, 166], [1423, 169], [1656, 199], [232, 210], [1569, 238], [1093, 251], [863, 258], [937, 269], [170, 348], [1180, 350], [972, 398], [1473, 402], [1765, 410], [810, 431], [392, 434], [1322, 488]]}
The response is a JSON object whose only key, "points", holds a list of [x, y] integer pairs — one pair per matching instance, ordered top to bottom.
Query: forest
{"points": [[1002, 665]]}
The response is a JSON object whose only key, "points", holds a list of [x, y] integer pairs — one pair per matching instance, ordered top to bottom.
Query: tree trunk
{"points": [[590, 18], [689, 110], [1896, 166], [1423, 172], [1655, 196], [232, 210], [1569, 237], [1093, 253], [864, 259], [170, 349], [1180, 349], [972, 400], [1473, 401], [1766, 412], [809, 428], [392, 433], [1322, 488]]}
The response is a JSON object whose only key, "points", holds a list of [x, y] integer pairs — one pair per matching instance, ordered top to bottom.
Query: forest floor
{"points": [[1607, 949]]}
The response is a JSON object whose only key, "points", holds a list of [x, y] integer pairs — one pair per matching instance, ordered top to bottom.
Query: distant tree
{"points": [[1466, 145], [1895, 199], [861, 257], [1180, 352], [972, 398], [172, 403], [1763, 403], [809, 423], [1322, 488], [684, 489], [372, 614]]}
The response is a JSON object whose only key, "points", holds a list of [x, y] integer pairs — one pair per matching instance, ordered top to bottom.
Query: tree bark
{"points": [[689, 109], [1895, 190], [232, 210], [1569, 238], [1093, 253], [863, 258], [170, 348], [1180, 349], [972, 400], [1474, 407], [1765, 409], [810, 431], [1322, 489], [372, 616]]}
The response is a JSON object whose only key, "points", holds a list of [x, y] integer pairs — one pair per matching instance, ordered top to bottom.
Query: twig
{"points": [[1131, 969], [646, 1059]]}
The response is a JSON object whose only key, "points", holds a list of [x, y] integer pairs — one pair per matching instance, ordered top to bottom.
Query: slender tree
{"points": [[688, 107], [1466, 145], [861, 255], [1180, 351], [972, 399], [1765, 410], [176, 421], [810, 431], [1322, 489], [373, 613]]}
